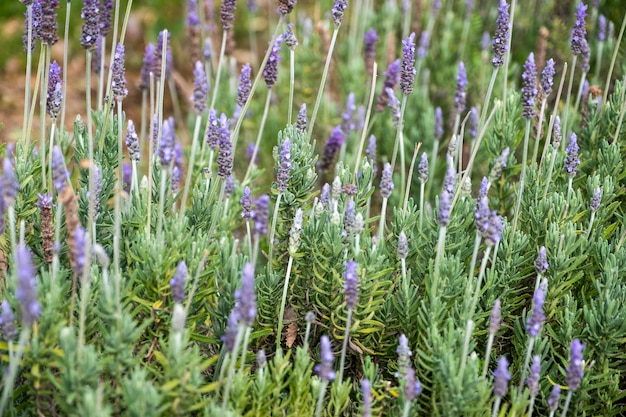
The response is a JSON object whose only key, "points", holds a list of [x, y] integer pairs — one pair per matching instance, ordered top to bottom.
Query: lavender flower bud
{"points": [[286, 6], [338, 9], [227, 14], [36, 17], [106, 17], [47, 27], [91, 28], [601, 28], [579, 31], [290, 37], [370, 39], [485, 41], [500, 41], [423, 45], [97, 56], [158, 56], [585, 56], [147, 66], [270, 73], [119, 74], [392, 76], [407, 76], [547, 77], [245, 85], [461, 85], [529, 87], [200, 88], [55, 91], [394, 106], [347, 115], [301, 121], [438, 123], [472, 123], [213, 130], [556, 133], [132, 142], [333, 145], [452, 146], [166, 147], [370, 153], [224, 156], [572, 161], [499, 165], [422, 168], [284, 169], [59, 172], [127, 173], [450, 178], [386, 181], [485, 184], [10, 186], [229, 186], [335, 191], [325, 195], [595, 200], [246, 204], [444, 209], [260, 215], [482, 215], [349, 217], [359, 223], [494, 230], [295, 232], [403, 246], [80, 258], [541, 263], [178, 283], [351, 284], [26, 291], [245, 297], [309, 317], [495, 317], [536, 319], [7, 322], [230, 336], [404, 355], [261, 359], [325, 368], [575, 371], [501, 378], [533, 379], [412, 387], [366, 392], [553, 400]]}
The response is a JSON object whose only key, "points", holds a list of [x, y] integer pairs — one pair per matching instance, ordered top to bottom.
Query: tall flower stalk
{"points": [[227, 17], [580, 48], [282, 179], [351, 290], [325, 371]]}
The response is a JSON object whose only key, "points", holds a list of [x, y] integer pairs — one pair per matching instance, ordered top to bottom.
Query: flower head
{"points": [[286, 6], [338, 10], [227, 14], [106, 17], [91, 28], [601, 28], [579, 31], [290, 37], [501, 38], [370, 39], [423, 45], [147, 66], [270, 73], [119, 74], [392, 76], [407, 76], [547, 77], [245, 85], [461, 86], [529, 87], [200, 88], [55, 91], [301, 121], [438, 123], [472, 123], [213, 130], [556, 133], [132, 142], [333, 145], [166, 147], [370, 152], [224, 156], [571, 160], [499, 165], [285, 166], [422, 168], [59, 172], [127, 173], [450, 178], [386, 181], [10, 185], [596, 199], [246, 204], [444, 209], [260, 215], [295, 232], [493, 234], [403, 245], [541, 263], [178, 282], [351, 284], [26, 291], [245, 297], [495, 317], [536, 319], [230, 335], [404, 355], [261, 359], [325, 368], [575, 371], [501, 378], [533, 379], [412, 386], [366, 392], [553, 400]]}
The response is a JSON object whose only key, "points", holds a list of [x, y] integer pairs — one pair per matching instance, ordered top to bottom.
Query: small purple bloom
{"points": [[286, 6], [338, 10], [227, 14], [106, 16], [36, 19], [193, 20], [47, 28], [91, 28], [601, 28], [579, 31], [290, 37], [501, 38], [370, 39], [485, 41], [423, 45], [97, 56], [158, 56], [147, 66], [270, 73], [119, 74], [407, 75], [392, 76], [547, 78], [245, 85], [461, 86], [529, 87], [200, 88], [55, 91], [394, 107], [347, 115], [301, 121], [438, 123], [472, 123], [212, 130], [556, 133], [132, 142], [333, 145], [166, 147], [370, 152], [224, 156], [571, 160], [422, 168], [284, 169], [59, 172], [127, 173], [450, 178], [386, 181], [485, 184], [10, 185], [229, 186], [325, 194], [595, 200], [246, 204], [444, 209], [260, 215], [482, 215], [494, 229], [295, 232], [80, 241], [403, 246], [541, 263], [178, 283], [351, 284], [26, 291], [245, 297], [495, 318], [536, 319], [7, 322], [230, 335], [404, 355], [325, 368], [575, 369], [501, 378], [533, 379], [412, 387], [366, 392], [553, 400]]}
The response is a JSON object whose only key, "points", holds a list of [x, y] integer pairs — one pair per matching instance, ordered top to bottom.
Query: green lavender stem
{"points": [[65, 49], [599, 60], [29, 65], [612, 66], [101, 75], [292, 83], [320, 91], [580, 91], [568, 98], [483, 113], [539, 126], [52, 130], [258, 137], [400, 144], [192, 157], [357, 162], [549, 176], [522, 178], [422, 187], [162, 203], [381, 224], [273, 229], [441, 243], [468, 289], [474, 300], [283, 302], [466, 342], [344, 346], [244, 349], [529, 351], [488, 353], [231, 367], [320, 399], [568, 399], [496, 407], [407, 408]]}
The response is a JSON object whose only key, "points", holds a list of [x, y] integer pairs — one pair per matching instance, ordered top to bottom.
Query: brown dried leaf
{"points": [[292, 332]]}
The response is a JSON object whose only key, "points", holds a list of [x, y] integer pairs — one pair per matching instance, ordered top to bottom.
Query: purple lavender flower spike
{"points": [[286, 6], [338, 10], [227, 14], [106, 17], [36, 18], [47, 28], [91, 28], [601, 28], [579, 31], [290, 37], [370, 39], [485, 41], [500, 41], [422, 49], [97, 56], [158, 56], [585, 56], [147, 66], [270, 73], [119, 74], [392, 76], [407, 76], [547, 78], [245, 85], [461, 85], [529, 87], [200, 88], [585, 89], [55, 91], [394, 107], [347, 115], [301, 121], [438, 123], [472, 123], [213, 130], [556, 133], [132, 142], [333, 145], [166, 147], [370, 152], [224, 156], [572, 161], [422, 168], [284, 169], [59, 172], [127, 173], [450, 178], [386, 181], [485, 184], [10, 185], [229, 186], [325, 194], [596, 199], [246, 204], [444, 209], [260, 215], [482, 215], [494, 230], [80, 239], [403, 246], [541, 263], [178, 283], [351, 284], [26, 291], [245, 297], [495, 318], [536, 319], [7, 322], [230, 336], [404, 355], [261, 359], [325, 368], [575, 370], [501, 378], [533, 379], [412, 387], [366, 392], [553, 400]]}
